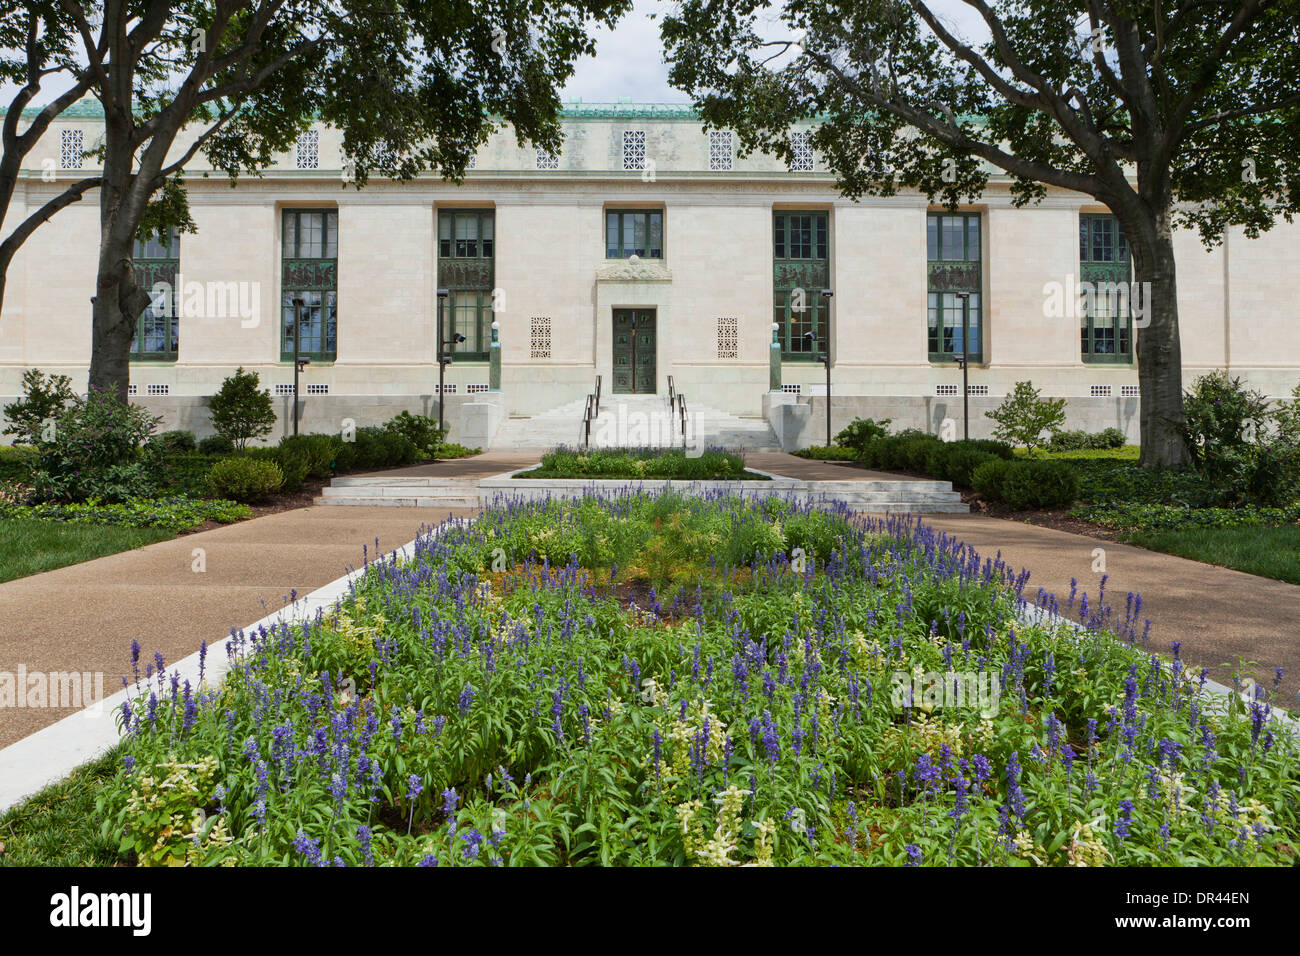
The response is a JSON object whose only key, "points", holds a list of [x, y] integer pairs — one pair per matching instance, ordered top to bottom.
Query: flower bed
{"points": [[713, 464], [177, 513], [666, 680]]}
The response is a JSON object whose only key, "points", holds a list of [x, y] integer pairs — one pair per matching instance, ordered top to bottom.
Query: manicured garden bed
{"points": [[643, 463], [667, 680]]}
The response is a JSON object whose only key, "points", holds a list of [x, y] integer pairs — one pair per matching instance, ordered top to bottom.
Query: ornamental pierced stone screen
{"points": [[634, 149]]}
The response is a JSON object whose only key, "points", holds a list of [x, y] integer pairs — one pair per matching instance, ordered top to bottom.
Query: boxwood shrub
{"points": [[245, 478], [1039, 484]]}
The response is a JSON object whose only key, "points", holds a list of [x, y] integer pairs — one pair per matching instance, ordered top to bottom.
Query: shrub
{"points": [[43, 399], [240, 410], [1023, 416], [1287, 417], [421, 430], [861, 432], [1224, 432], [1081, 440], [173, 442], [216, 445], [374, 448], [94, 451], [316, 452], [914, 452], [833, 453], [956, 461], [16, 463], [245, 478], [987, 478], [1039, 484]]}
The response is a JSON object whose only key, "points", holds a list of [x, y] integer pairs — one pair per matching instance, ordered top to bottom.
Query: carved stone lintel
{"points": [[634, 269]]}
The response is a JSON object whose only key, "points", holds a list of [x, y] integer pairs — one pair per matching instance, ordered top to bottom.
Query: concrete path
{"points": [[483, 465], [806, 469], [1219, 615], [83, 618]]}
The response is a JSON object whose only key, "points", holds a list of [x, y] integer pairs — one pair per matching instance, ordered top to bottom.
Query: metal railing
{"points": [[672, 394], [681, 405], [596, 410], [587, 416]]}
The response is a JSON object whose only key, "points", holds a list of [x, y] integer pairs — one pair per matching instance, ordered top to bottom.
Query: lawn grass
{"points": [[714, 464], [29, 546], [1254, 549], [59, 826]]}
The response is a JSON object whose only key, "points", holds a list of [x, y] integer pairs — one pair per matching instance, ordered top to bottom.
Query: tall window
{"points": [[634, 232], [466, 249], [953, 250], [156, 261], [1105, 269], [800, 270], [309, 284]]}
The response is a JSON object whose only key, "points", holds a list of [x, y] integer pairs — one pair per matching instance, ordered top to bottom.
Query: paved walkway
{"points": [[484, 465], [806, 469], [1219, 615], [82, 618]]}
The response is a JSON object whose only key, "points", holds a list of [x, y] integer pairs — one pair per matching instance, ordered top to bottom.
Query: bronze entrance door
{"points": [[634, 351]]}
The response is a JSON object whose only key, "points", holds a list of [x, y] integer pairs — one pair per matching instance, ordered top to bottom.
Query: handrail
{"points": [[672, 394], [681, 404], [597, 409], [586, 421]]}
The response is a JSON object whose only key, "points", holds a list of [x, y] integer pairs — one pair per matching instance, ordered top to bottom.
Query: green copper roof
{"points": [[89, 107], [85, 108], [625, 109]]}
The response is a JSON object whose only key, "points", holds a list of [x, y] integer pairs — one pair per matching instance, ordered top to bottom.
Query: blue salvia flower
{"points": [[466, 699], [1124, 825], [365, 837], [309, 848], [913, 855]]}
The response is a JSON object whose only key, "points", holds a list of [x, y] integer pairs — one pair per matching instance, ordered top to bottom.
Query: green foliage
{"points": [[43, 400], [240, 410], [1023, 416], [1287, 417], [420, 430], [861, 432], [1225, 435], [1080, 440], [173, 442], [216, 445], [373, 448], [449, 450], [95, 451], [822, 453], [950, 461], [16, 463], [657, 463], [987, 477], [245, 478], [1038, 484], [177, 513], [33, 545], [582, 718]]}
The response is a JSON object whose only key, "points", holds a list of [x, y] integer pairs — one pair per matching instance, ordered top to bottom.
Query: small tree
{"points": [[43, 399], [241, 410], [1023, 416]]}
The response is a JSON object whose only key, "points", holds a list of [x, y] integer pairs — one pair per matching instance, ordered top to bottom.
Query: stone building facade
{"points": [[646, 249]]}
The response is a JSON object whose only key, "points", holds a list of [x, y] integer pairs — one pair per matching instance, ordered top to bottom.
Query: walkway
{"points": [[83, 618]]}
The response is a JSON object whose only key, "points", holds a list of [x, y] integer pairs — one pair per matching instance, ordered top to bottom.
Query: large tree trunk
{"points": [[118, 301], [1159, 350]]}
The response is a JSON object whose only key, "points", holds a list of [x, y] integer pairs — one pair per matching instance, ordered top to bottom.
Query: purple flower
{"points": [[1124, 825], [913, 855]]}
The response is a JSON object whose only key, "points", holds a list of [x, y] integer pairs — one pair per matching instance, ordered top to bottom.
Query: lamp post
{"points": [[444, 357], [825, 359], [299, 363], [964, 363], [442, 366]]}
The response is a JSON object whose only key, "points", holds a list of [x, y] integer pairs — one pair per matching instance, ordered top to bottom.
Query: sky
{"points": [[629, 58]]}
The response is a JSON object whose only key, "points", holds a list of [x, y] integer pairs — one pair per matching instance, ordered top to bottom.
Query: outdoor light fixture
{"points": [[963, 363], [299, 364], [442, 364]]}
